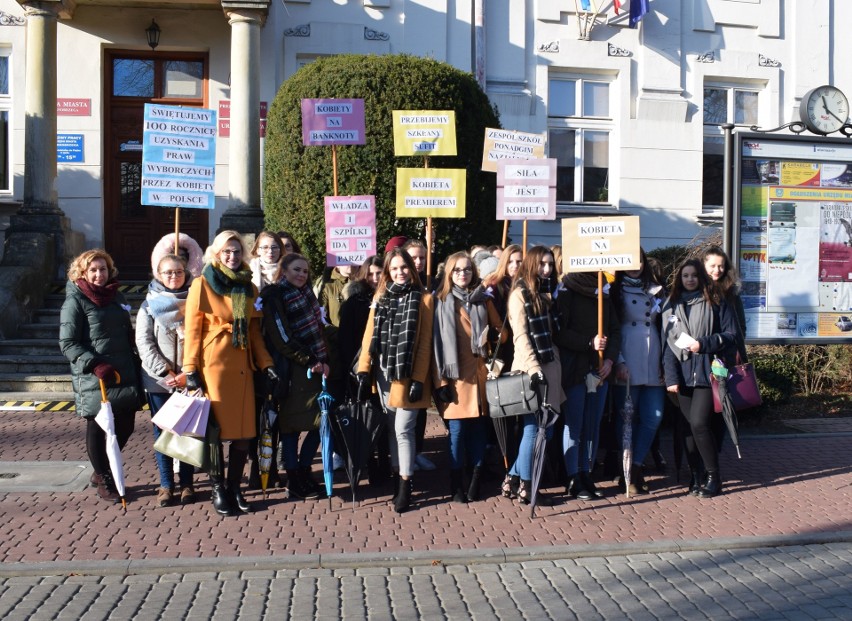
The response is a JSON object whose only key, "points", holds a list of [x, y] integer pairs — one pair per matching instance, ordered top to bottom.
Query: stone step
{"points": [[134, 298], [47, 316], [39, 331], [39, 347], [46, 365], [29, 383]]}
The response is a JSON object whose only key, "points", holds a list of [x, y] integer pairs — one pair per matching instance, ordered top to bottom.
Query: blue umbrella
{"points": [[324, 399]]}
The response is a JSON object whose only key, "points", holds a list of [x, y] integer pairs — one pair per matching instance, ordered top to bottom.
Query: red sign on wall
{"points": [[73, 107], [225, 118]]}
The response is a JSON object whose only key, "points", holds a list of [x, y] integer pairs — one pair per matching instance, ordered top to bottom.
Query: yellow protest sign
{"points": [[424, 132], [430, 192], [608, 243]]}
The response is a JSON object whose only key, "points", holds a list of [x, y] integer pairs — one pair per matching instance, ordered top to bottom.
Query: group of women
{"points": [[243, 327]]}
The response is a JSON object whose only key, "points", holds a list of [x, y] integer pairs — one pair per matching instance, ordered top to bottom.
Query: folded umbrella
{"points": [[324, 399], [729, 413], [545, 417], [106, 421], [357, 426], [627, 438], [264, 461]]}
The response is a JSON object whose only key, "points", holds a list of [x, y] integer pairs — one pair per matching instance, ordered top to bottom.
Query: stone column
{"points": [[244, 213]]}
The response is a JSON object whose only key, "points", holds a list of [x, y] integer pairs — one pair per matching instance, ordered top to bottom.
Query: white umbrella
{"points": [[106, 420]]}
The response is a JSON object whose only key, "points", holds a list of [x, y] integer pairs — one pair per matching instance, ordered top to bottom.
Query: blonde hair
{"points": [[212, 253], [79, 265]]}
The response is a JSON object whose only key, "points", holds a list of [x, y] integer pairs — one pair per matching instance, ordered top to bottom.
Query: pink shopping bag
{"points": [[176, 412]]}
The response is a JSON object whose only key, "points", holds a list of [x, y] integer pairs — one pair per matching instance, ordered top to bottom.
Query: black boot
{"points": [[236, 464], [254, 474], [637, 480], [694, 482], [589, 485], [713, 485], [395, 486], [456, 486], [298, 488], [473, 488], [577, 488], [317, 490], [220, 497], [403, 497]]}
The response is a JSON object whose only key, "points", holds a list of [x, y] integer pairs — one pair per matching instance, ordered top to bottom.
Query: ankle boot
{"points": [[236, 464], [254, 474], [586, 478], [638, 478], [694, 482], [311, 484], [296, 486], [395, 486], [456, 486], [713, 486], [473, 488], [577, 488], [105, 489], [403, 496], [220, 497]]}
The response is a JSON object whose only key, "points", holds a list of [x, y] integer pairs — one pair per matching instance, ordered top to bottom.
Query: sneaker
{"points": [[337, 461], [422, 462], [164, 497]]}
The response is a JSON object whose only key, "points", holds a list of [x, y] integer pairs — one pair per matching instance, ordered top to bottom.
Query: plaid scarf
{"points": [[238, 287], [304, 317], [538, 323], [395, 329]]}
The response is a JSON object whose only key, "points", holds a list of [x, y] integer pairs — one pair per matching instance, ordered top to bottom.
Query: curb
{"points": [[440, 558]]}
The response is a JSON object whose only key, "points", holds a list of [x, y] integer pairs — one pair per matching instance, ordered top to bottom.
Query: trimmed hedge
{"points": [[297, 178]]}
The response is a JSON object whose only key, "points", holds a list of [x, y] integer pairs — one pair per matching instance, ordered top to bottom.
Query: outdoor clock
{"points": [[824, 109]]}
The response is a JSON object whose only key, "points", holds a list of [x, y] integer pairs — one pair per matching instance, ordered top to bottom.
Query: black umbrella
{"points": [[729, 414], [545, 417], [356, 427], [500, 432]]}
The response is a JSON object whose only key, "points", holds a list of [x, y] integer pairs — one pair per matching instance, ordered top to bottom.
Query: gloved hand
{"points": [[104, 371], [537, 379], [271, 380], [193, 381], [363, 386], [415, 391], [445, 394]]}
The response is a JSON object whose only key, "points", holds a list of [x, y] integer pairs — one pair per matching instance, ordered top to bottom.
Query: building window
{"points": [[723, 104], [5, 114], [579, 132]]}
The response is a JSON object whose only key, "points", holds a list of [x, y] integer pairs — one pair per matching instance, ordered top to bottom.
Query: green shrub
{"points": [[297, 178], [776, 372]]}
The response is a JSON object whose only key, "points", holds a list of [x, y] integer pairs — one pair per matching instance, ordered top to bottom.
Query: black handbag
{"points": [[511, 395]]}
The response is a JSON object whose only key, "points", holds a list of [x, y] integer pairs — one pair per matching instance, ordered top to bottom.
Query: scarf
{"points": [[263, 273], [585, 283], [238, 287], [99, 295], [167, 306], [691, 314], [304, 316], [538, 324], [395, 329], [446, 347]]}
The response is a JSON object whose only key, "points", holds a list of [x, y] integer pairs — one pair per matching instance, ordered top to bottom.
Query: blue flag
{"points": [[638, 8]]}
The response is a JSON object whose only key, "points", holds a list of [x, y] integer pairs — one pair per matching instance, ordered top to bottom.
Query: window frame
{"points": [[6, 105], [580, 124]]}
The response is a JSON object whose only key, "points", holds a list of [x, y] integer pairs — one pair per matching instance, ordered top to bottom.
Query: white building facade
{"points": [[633, 115]]}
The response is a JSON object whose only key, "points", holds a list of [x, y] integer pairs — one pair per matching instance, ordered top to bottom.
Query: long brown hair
{"points": [[528, 272], [386, 277], [703, 280], [728, 285]]}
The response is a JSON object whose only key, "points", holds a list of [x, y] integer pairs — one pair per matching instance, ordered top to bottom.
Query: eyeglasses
{"points": [[268, 248], [231, 253], [462, 270], [172, 273]]}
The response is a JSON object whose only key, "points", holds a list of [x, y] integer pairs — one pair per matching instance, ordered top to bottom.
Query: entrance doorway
{"points": [[133, 79]]}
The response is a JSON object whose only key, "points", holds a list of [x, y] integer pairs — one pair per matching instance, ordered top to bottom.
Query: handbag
{"points": [[742, 387], [511, 395], [178, 409], [187, 449]]}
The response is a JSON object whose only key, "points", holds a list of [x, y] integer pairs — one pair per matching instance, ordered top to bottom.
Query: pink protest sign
{"points": [[332, 121], [526, 189], [350, 229]]}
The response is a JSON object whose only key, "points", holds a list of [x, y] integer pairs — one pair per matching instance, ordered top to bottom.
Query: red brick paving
{"points": [[782, 486]]}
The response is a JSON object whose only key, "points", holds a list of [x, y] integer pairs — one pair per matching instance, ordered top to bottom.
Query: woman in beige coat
{"points": [[466, 323], [533, 326], [397, 345], [223, 346]]}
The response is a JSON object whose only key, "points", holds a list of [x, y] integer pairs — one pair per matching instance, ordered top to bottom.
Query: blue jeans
{"points": [[648, 404], [582, 412], [467, 435], [293, 457], [164, 462], [522, 468]]}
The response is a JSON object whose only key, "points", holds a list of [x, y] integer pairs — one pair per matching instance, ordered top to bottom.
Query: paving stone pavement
{"points": [[663, 555], [794, 582]]}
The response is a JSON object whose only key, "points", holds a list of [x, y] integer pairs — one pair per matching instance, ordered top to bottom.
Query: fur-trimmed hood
{"points": [[167, 246], [356, 288]]}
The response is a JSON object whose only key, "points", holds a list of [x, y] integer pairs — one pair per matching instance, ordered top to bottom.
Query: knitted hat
{"points": [[395, 242], [480, 256], [488, 266]]}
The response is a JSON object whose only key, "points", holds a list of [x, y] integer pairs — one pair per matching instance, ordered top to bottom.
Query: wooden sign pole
{"points": [[334, 166], [177, 231], [505, 233], [525, 238], [428, 239], [600, 314]]}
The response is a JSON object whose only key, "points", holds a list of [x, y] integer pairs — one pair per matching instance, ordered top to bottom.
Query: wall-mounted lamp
{"points": [[152, 33]]}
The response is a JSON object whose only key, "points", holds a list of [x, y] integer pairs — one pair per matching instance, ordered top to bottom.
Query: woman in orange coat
{"points": [[465, 318], [398, 344], [223, 347]]}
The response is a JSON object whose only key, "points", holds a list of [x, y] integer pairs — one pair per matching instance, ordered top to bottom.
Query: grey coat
{"points": [[88, 335], [641, 347], [161, 350]]}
